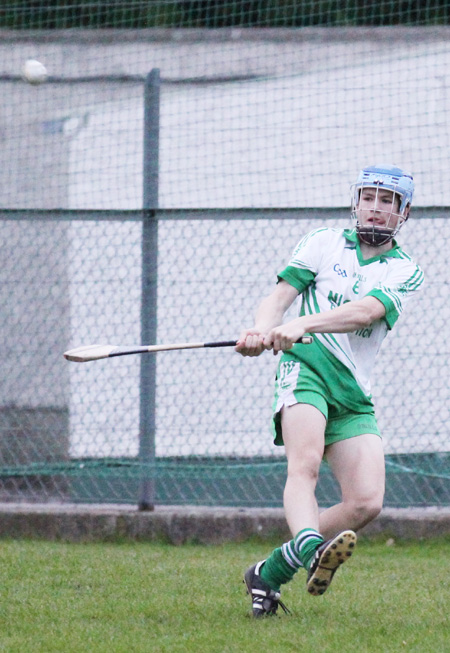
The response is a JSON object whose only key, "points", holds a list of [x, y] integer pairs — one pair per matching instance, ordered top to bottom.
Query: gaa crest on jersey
{"points": [[339, 270]]}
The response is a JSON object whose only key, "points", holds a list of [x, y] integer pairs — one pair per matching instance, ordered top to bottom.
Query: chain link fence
{"points": [[259, 135], [72, 432]]}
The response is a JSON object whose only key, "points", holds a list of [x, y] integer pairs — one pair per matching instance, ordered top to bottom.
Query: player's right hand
{"points": [[250, 343]]}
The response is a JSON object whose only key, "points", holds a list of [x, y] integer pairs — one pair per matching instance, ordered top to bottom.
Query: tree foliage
{"points": [[138, 14]]}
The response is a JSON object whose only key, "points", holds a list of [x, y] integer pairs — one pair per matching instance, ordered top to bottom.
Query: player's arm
{"points": [[269, 314], [343, 319]]}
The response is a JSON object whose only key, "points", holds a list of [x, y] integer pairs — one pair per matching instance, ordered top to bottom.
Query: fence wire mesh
{"points": [[261, 133], [73, 431]]}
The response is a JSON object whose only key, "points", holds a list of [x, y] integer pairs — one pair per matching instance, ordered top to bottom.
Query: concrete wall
{"points": [[249, 117]]}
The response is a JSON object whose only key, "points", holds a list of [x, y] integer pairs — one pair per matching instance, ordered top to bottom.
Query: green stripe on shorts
{"points": [[298, 383]]}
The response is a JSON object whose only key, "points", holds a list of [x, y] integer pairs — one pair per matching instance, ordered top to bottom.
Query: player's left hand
{"points": [[284, 337]]}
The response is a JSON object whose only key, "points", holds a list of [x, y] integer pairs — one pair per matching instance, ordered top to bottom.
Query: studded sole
{"points": [[335, 554]]}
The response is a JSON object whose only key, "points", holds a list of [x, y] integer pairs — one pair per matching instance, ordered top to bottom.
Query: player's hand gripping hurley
{"points": [[97, 352]]}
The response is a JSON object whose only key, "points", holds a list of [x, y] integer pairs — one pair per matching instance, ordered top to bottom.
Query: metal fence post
{"points": [[149, 289]]}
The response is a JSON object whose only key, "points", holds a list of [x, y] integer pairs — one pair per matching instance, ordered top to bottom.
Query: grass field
{"points": [[127, 597]]}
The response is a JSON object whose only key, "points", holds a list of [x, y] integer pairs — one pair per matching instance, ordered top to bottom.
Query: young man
{"points": [[354, 285]]}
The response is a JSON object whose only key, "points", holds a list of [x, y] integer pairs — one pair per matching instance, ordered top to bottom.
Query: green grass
{"points": [[128, 597]]}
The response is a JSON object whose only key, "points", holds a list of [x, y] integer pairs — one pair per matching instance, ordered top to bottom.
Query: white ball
{"points": [[34, 72]]}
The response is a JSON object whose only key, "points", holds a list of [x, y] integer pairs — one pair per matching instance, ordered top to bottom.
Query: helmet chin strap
{"points": [[375, 236]]}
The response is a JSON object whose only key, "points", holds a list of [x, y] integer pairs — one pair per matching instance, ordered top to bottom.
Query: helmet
{"points": [[383, 177]]}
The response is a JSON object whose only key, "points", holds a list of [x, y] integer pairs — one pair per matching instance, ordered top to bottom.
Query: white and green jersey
{"points": [[327, 267]]}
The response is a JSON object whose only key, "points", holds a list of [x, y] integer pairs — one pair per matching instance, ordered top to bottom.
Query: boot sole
{"points": [[335, 554]]}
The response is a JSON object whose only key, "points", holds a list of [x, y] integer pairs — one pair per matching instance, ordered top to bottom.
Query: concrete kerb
{"points": [[180, 524]]}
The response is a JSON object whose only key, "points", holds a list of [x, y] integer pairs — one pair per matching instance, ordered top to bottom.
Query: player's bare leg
{"points": [[303, 429], [303, 434], [358, 465]]}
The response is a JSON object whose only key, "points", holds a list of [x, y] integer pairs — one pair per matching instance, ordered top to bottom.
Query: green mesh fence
{"points": [[257, 135]]}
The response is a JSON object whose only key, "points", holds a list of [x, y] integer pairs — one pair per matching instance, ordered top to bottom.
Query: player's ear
{"points": [[407, 210]]}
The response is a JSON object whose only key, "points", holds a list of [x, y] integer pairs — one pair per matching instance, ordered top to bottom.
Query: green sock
{"points": [[306, 543], [284, 562], [276, 571]]}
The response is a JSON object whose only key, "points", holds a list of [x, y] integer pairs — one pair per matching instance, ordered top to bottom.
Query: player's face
{"points": [[378, 207]]}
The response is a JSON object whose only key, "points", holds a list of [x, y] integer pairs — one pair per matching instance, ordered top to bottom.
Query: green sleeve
{"points": [[297, 277], [391, 316]]}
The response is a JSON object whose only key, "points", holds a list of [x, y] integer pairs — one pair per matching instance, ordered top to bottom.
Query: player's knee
{"points": [[306, 468], [372, 507], [366, 508]]}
